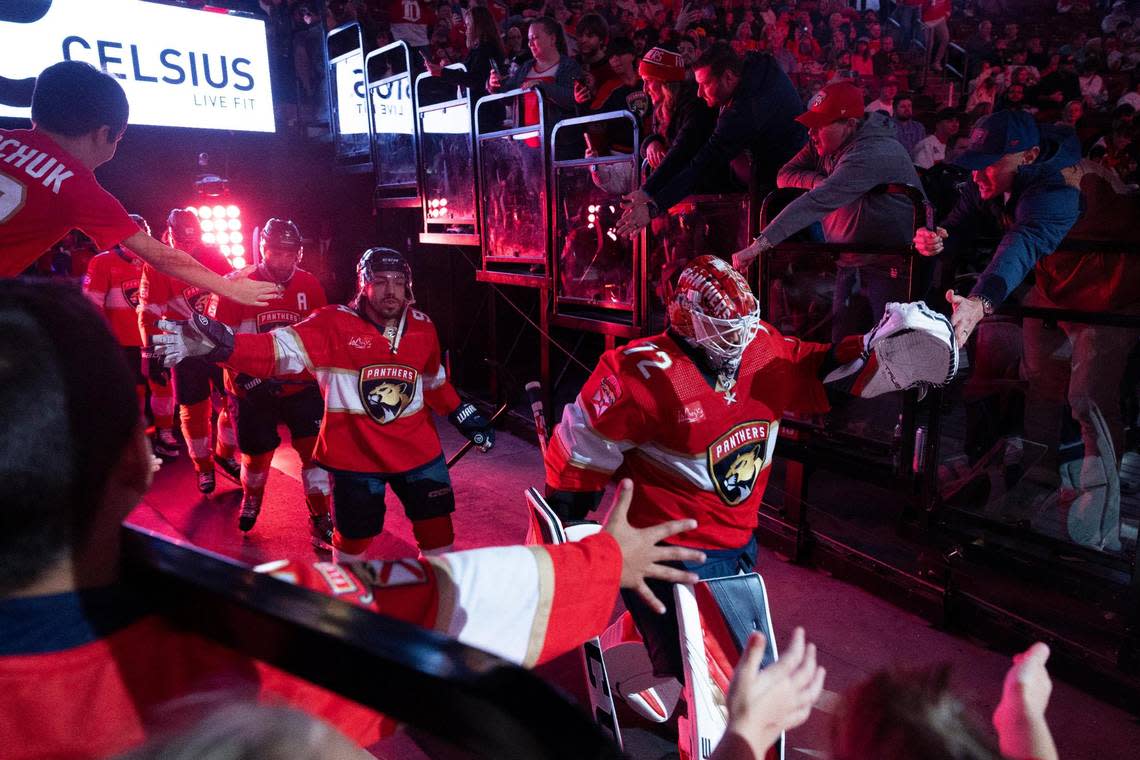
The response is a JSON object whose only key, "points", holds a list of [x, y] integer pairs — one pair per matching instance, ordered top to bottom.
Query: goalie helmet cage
{"points": [[465, 696]]}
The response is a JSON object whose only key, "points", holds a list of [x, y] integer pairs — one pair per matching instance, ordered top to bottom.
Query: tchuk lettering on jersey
{"points": [[35, 163]]}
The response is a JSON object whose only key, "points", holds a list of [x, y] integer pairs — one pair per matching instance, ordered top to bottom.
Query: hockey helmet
{"points": [[141, 222], [183, 228], [283, 236], [376, 260], [714, 309]]}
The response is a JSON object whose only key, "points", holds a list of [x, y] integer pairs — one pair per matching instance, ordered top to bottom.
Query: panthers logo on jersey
{"points": [[131, 292], [197, 299], [274, 318], [387, 390], [737, 458]]}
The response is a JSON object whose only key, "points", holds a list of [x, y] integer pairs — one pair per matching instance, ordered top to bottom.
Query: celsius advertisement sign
{"points": [[179, 67]]}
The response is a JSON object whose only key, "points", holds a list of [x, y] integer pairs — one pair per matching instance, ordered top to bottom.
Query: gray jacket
{"points": [[838, 187]]}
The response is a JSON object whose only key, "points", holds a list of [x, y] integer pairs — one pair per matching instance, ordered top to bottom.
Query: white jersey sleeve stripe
{"points": [[289, 352], [440, 377], [588, 449], [474, 609]]}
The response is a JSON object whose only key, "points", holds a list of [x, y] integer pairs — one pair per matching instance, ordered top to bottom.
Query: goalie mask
{"points": [[279, 250], [714, 310]]}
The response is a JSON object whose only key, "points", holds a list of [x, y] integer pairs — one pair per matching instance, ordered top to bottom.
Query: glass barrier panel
{"points": [[346, 93], [393, 123], [449, 167], [513, 171], [698, 225], [595, 265]]}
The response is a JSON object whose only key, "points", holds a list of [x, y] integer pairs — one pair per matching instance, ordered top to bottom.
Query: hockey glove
{"points": [[198, 336], [912, 346], [155, 370], [248, 383], [474, 426]]}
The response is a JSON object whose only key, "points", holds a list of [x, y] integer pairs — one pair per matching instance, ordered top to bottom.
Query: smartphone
{"points": [[495, 68]]}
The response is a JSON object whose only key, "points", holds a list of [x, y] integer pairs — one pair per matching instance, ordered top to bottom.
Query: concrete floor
{"points": [[856, 633]]}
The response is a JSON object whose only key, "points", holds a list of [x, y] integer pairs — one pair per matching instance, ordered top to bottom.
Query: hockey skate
{"points": [[165, 444], [229, 466], [206, 481], [250, 509], [322, 532]]}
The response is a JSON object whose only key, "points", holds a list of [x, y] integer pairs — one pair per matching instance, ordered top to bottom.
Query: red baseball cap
{"points": [[838, 100]]}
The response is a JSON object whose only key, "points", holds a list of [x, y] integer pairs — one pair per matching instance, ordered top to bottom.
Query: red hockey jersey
{"points": [[44, 193], [112, 284], [303, 295], [164, 297], [376, 417], [693, 451], [85, 693]]}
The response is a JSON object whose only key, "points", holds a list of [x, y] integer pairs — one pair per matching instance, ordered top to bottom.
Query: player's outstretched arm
{"points": [[185, 267], [197, 336], [642, 556], [764, 703]]}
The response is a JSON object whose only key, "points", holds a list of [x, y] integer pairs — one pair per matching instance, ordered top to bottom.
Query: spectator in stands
{"points": [[1117, 15], [936, 17], [410, 21], [593, 34], [687, 47], [981, 47], [484, 51], [517, 51], [1035, 54], [884, 59], [862, 62], [551, 71], [1059, 86], [888, 90], [1093, 92], [1013, 99], [758, 105], [1071, 114], [682, 121], [908, 129], [932, 150], [848, 155], [1018, 192], [84, 659], [911, 713]]}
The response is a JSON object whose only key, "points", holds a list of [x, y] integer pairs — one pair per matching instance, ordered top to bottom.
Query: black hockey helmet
{"points": [[183, 228], [282, 235], [377, 260]]}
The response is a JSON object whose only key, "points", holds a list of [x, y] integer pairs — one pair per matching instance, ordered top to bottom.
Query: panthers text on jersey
{"points": [[44, 193], [112, 284], [303, 295], [164, 297], [376, 416], [693, 449]]}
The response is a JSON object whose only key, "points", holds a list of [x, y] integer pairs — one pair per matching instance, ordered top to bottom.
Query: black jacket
{"points": [[478, 65], [760, 118], [689, 129]]}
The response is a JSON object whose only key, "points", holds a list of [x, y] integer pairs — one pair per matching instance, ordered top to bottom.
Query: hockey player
{"points": [[48, 185], [112, 284], [163, 297], [377, 362], [257, 405], [692, 416], [70, 629]]}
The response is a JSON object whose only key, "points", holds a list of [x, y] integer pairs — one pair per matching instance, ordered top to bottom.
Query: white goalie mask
{"points": [[714, 309]]}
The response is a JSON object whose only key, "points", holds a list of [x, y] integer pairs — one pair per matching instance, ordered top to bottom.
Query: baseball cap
{"points": [[838, 100], [997, 135]]}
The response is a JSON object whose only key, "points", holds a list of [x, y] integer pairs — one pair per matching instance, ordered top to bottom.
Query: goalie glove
{"points": [[198, 336], [912, 346], [474, 426]]}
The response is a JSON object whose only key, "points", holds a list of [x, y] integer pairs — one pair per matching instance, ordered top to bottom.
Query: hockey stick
{"points": [[534, 396], [470, 444], [549, 530]]}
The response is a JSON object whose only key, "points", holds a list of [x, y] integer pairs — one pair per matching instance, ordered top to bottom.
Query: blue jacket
{"points": [[761, 116], [1042, 207]]}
